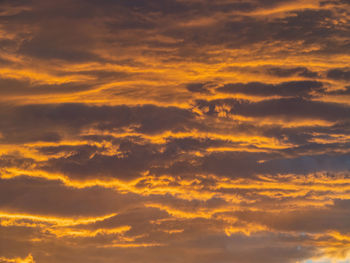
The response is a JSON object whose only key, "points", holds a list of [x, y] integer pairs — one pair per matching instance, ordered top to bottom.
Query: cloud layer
{"points": [[174, 131]]}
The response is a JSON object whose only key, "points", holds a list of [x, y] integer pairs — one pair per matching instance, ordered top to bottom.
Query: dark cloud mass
{"points": [[288, 72], [339, 74], [285, 89], [284, 108], [174, 131]]}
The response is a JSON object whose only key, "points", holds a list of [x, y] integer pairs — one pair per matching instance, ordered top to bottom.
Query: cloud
{"points": [[288, 72], [339, 74], [24, 87], [198, 87], [285, 89], [284, 108], [51, 122], [174, 131], [134, 160], [41, 197], [315, 220]]}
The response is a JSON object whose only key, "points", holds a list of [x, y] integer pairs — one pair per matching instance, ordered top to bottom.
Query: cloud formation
{"points": [[174, 131]]}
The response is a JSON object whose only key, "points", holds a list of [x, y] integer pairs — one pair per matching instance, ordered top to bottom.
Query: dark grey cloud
{"points": [[333, 2], [309, 26], [73, 31], [79, 37], [289, 72], [339, 74], [25, 87], [199, 87], [285, 89], [285, 108], [51, 122], [16, 160], [133, 160], [234, 164], [242, 164], [308, 164], [51, 198], [316, 220]]}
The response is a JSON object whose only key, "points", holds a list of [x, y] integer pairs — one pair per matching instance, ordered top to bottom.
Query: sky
{"points": [[178, 131]]}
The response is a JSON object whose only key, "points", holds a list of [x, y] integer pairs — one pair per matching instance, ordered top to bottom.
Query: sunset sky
{"points": [[174, 131]]}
